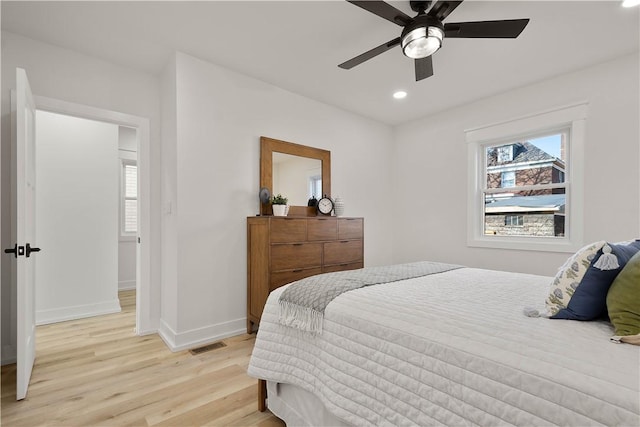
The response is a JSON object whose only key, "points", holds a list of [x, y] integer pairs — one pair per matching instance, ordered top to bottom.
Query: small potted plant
{"points": [[279, 205]]}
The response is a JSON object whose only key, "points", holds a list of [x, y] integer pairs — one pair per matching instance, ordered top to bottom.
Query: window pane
{"points": [[505, 153], [532, 161], [508, 179], [130, 181], [525, 214], [130, 216], [514, 220]]}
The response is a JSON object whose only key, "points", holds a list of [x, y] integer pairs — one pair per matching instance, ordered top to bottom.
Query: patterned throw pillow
{"points": [[569, 276], [589, 297], [623, 303]]}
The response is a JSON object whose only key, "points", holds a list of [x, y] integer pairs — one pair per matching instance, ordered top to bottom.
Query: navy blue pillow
{"points": [[589, 301]]}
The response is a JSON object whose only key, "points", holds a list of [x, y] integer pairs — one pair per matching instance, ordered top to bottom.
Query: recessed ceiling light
{"points": [[630, 3], [400, 94]]}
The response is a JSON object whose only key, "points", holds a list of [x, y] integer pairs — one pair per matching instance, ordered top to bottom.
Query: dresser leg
{"points": [[262, 395]]}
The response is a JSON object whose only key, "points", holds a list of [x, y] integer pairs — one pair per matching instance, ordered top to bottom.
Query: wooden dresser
{"points": [[281, 250]]}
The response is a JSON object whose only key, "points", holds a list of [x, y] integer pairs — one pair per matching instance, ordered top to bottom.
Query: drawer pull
{"points": [[289, 219], [344, 241], [297, 244], [297, 271]]}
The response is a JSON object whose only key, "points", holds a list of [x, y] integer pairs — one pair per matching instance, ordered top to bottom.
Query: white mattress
{"points": [[454, 349]]}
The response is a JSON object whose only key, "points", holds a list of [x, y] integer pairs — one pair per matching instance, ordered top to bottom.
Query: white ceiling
{"points": [[297, 45]]}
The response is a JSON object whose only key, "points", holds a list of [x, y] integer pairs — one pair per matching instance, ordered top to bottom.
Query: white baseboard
{"points": [[125, 285], [44, 317], [142, 333], [167, 334], [200, 336], [8, 355]]}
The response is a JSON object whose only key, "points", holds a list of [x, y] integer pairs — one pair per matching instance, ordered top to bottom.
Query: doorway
{"points": [[76, 217], [142, 235]]}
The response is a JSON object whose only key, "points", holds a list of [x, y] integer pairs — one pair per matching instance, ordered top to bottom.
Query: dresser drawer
{"points": [[350, 228], [322, 229], [288, 230], [282, 250], [342, 252], [295, 256], [342, 267], [283, 277]]}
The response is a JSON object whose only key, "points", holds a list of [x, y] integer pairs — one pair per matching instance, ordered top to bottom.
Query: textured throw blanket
{"points": [[303, 303]]}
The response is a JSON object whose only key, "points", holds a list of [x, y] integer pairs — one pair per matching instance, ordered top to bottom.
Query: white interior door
{"points": [[25, 218]]}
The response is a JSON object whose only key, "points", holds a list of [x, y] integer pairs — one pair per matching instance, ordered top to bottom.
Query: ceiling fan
{"points": [[422, 35]]}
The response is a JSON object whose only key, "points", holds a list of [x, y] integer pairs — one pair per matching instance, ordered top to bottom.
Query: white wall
{"points": [[63, 74], [219, 120], [127, 147], [431, 168], [76, 218], [169, 245]]}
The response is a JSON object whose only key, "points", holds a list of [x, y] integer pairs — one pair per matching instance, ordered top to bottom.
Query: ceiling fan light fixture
{"points": [[422, 42]]}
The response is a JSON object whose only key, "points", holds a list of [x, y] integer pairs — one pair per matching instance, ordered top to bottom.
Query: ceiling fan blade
{"points": [[442, 9], [384, 10], [506, 29], [370, 54], [424, 68]]}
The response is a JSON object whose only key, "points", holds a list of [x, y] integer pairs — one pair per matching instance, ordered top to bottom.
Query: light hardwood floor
{"points": [[95, 371]]}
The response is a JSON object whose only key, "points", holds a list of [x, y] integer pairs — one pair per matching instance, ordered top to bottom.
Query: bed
{"points": [[452, 348]]}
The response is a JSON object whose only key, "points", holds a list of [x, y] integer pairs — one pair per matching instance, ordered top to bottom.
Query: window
{"points": [[505, 153], [508, 179], [315, 186], [129, 198], [542, 210], [513, 220]]}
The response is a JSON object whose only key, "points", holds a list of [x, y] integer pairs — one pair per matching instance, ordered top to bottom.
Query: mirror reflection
{"points": [[297, 178]]}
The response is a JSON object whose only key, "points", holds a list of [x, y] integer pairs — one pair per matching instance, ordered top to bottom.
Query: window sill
{"points": [[525, 244]]}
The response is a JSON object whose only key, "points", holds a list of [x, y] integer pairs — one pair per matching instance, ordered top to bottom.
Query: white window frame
{"points": [[572, 117], [125, 235]]}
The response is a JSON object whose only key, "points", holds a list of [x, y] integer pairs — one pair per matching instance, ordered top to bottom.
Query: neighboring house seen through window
{"points": [[531, 185]]}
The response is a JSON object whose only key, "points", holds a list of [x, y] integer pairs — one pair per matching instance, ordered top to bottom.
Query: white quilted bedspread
{"points": [[454, 349]]}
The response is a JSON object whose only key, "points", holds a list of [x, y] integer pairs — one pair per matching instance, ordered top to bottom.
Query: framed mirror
{"points": [[295, 171]]}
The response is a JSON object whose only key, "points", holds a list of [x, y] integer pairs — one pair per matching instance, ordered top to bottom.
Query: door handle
{"points": [[30, 249], [13, 250], [16, 250]]}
